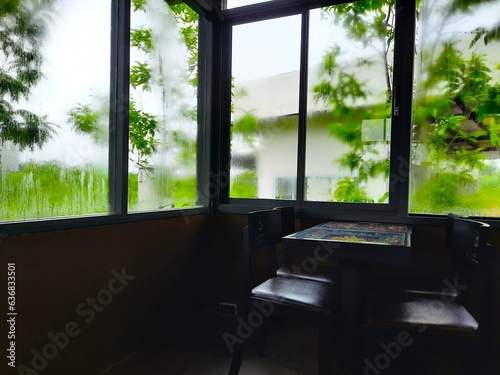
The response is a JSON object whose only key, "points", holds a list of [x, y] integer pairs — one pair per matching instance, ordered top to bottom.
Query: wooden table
{"points": [[355, 245]]}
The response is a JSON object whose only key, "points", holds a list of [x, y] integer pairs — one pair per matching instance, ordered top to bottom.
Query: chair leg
{"points": [[262, 335], [325, 350], [239, 352]]}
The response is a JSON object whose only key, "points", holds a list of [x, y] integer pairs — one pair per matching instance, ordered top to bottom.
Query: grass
{"points": [[48, 190], [442, 197]]}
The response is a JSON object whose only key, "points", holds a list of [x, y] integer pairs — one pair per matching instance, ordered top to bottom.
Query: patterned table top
{"points": [[357, 232]]}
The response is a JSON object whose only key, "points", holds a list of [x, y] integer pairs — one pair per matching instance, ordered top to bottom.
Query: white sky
{"points": [[272, 47], [76, 66]]}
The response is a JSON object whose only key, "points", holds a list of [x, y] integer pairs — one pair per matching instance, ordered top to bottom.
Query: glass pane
{"points": [[239, 3], [265, 69], [54, 101], [163, 106], [349, 106], [455, 164]]}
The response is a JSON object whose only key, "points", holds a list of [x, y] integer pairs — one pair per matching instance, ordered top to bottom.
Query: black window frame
{"points": [[397, 208]]}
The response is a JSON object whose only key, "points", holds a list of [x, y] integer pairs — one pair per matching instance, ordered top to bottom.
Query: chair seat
{"points": [[323, 274], [418, 288], [298, 292], [431, 313]]}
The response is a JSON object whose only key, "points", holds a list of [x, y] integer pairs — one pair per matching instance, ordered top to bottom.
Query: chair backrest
{"points": [[287, 219], [264, 228], [449, 229], [262, 233], [469, 239], [474, 261]]}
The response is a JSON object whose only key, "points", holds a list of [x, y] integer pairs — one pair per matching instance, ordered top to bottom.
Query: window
{"points": [[265, 70], [349, 103], [163, 106], [54, 110], [321, 114], [456, 114], [62, 130], [394, 131], [284, 188]]}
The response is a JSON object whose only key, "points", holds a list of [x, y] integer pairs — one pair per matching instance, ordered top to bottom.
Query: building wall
{"points": [[276, 158]]}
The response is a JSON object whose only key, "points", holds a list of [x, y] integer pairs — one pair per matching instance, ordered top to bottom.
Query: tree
{"points": [[370, 23], [23, 26], [440, 121], [143, 126], [148, 132]]}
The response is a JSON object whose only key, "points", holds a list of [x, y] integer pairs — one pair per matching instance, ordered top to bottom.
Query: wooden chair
{"points": [[289, 268], [389, 284], [300, 300], [450, 322]]}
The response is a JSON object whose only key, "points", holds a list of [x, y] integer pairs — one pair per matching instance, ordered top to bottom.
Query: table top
{"points": [[357, 232], [357, 241]]}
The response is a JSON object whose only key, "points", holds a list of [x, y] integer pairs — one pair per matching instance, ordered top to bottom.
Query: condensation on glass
{"points": [[265, 105], [163, 107], [348, 108], [54, 110], [455, 164]]}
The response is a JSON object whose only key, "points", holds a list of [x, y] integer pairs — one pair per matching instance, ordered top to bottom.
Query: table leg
{"points": [[353, 286]]}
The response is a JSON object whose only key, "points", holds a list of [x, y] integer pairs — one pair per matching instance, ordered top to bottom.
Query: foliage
{"points": [[9, 7], [187, 19], [368, 21], [23, 25], [141, 39], [140, 75], [467, 82], [84, 119], [247, 125], [443, 127], [145, 128], [438, 128], [142, 131], [186, 154], [245, 185], [49, 190], [180, 191], [184, 191], [349, 191], [442, 191], [441, 194]]}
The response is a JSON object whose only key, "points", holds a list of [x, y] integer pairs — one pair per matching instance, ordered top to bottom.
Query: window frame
{"points": [[214, 101], [118, 125], [397, 208]]}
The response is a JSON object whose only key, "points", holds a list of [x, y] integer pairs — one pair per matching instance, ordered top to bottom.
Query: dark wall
{"points": [[174, 268], [56, 273]]}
